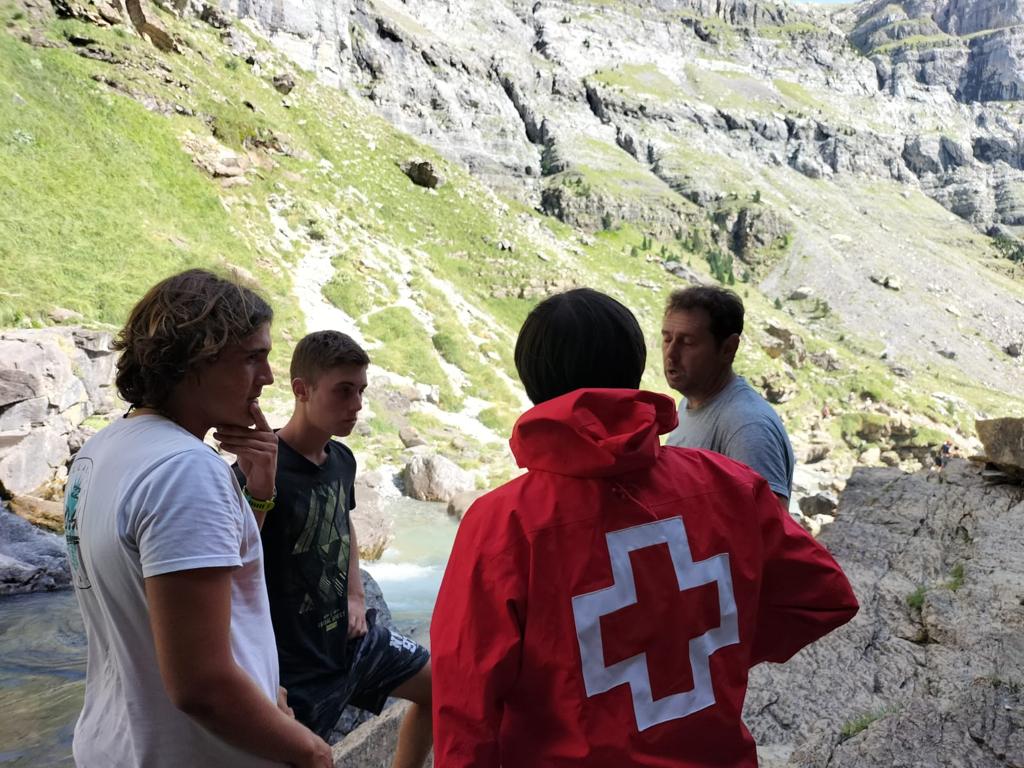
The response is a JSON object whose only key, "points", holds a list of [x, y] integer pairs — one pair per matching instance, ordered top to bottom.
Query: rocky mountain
{"points": [[798, 139], [441, 166], [929, 672]]}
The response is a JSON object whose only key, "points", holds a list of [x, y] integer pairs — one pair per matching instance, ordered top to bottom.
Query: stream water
{"points": [[42, 639]]}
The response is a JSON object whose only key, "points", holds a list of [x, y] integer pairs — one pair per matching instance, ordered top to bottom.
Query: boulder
{"points": [[284, 83], [423, 174], [801, 293], [792, 344], [827, 360], [50, 381], [16, 385], [776, 389], [410, 437], [1003, 440], [871, 456], [890, 458], [33, 460], [430, 477], [461, 503], [818, 504], [42, 513], [374, 527], [30, 559], [931, 670], [373, 744]]}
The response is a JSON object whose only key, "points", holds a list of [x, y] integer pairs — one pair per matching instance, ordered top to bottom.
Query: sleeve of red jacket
{"points": [[804, 592], [475, 639]]}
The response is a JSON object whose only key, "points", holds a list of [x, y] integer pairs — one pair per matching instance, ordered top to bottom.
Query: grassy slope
{"points": [[100, 200]]}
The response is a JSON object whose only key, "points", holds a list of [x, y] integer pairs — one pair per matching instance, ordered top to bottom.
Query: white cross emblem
{"points": [[589, 608]]}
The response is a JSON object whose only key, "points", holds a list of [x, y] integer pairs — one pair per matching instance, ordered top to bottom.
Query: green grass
{"points": [[640, 80], [406, 349], [956, 578], [915, 600], [860, 723]]}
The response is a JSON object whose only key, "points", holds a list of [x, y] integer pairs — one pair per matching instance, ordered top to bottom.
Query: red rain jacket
{"points": [[604, 608]]}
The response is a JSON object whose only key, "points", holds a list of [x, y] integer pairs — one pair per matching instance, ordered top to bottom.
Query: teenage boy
{"points": [[166, 557], [332, 650]]}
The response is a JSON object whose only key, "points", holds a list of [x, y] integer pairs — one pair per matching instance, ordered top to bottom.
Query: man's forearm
{"points": [[235, 709]]}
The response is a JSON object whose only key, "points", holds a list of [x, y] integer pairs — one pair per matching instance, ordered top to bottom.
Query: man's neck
{"points": [[699, 401], [187, 419], [304, 439]]}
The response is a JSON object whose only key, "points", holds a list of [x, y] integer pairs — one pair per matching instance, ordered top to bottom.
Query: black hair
{"points": [[580, 338]]}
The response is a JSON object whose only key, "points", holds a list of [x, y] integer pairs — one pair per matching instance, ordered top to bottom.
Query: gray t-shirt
{"points": [[740, 424]]}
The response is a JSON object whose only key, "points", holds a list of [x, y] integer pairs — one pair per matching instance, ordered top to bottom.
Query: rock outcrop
{"points": [[50, 382], [31, 560], [933, 664]]}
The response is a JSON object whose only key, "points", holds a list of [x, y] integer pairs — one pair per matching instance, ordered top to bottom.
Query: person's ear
{"points": [[730, 347], [300, 390]]}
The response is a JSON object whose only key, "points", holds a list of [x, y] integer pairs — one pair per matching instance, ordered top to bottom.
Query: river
{"points": [[42, 640]]}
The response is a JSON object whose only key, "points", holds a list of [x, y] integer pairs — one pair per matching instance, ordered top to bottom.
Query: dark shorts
{"points": [[378, 662]]}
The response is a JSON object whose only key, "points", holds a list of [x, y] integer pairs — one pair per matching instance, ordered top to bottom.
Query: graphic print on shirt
{"points": [[74, 505], [320, 557], [635, 671]]}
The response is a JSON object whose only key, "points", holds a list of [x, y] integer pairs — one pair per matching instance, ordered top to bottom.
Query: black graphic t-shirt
{"points": [[306, 556]]}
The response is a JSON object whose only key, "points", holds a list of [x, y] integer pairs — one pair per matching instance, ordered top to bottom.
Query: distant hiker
{"points": [[720, 411], [946, 452], [165, 554], [603, 610], [333, 651]]}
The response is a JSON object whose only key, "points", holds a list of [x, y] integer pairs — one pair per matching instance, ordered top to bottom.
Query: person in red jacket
{"points": [[604, 608]]}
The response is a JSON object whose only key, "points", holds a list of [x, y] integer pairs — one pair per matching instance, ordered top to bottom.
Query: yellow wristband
{"points": [[260, 505]]}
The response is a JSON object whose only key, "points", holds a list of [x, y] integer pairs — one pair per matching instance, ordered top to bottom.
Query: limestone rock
{"points": [[284, 83], [423, 174], [800, 294], [61, 315], [792, 344], [50, 381], [776, 388], [410, 437], [1003, 440], [871, 456], [890, 458], [432, 477], [461, 503], [818, 504], [42, 513], [374, 527], [30, 559], [934, 659], [373, 744]]}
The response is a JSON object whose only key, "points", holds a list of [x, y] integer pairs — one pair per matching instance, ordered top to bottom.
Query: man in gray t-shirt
{"points": [[720, 411]]}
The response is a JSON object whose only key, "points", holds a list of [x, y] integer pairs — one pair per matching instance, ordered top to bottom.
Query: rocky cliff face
{"points": [[766, 129], [51, 381], [932, 665]]}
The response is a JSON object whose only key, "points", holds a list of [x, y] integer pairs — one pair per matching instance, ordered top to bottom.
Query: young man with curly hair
{"points": [[165, 551]]}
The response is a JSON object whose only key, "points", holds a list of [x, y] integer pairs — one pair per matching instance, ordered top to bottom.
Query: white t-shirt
{"points": [[144, 497]]}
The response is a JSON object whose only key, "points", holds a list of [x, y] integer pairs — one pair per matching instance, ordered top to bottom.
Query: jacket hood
{"points": [[593, 432]]}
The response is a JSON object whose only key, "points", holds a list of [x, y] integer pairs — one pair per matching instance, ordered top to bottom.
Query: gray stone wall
{"points": [[51, 381]]}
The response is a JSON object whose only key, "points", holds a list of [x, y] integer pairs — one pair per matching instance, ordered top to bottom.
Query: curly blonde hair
{"points": [[181, 322]]}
